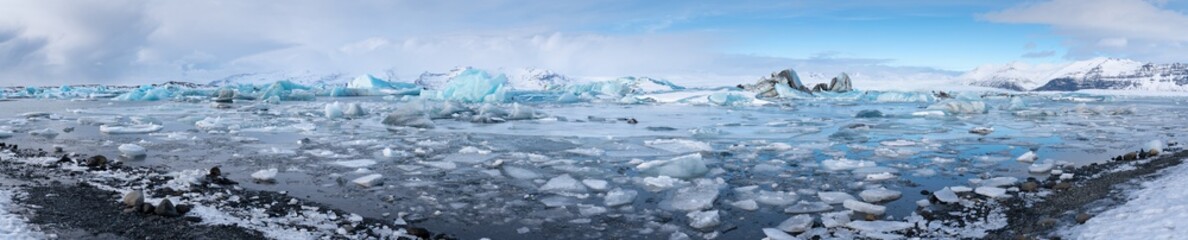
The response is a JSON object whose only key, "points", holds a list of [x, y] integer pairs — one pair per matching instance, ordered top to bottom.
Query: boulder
{"points": [[841, 83], [133, 199], [166, 208]]}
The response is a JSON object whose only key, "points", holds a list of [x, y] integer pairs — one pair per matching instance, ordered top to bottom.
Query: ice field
{"points": [[627, 158]]}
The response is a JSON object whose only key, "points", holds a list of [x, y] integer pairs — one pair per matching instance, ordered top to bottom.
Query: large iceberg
{"points": [[783, 84], [371, 85], [474, 85], [618, 88], [287, 91], [147, 93]]}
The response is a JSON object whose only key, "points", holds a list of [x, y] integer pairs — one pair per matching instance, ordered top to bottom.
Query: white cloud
{"points": [[1128, 28], [93, 41]]}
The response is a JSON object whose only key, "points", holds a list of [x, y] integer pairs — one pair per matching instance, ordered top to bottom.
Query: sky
{"points": [[50, 42]]}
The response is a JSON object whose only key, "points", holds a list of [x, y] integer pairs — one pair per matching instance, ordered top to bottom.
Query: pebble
{"points": [[1062, 186], [1029, 187], [1082, 218]]}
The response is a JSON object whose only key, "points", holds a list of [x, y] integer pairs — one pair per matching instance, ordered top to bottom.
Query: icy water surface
{"points": [[570, 175]]}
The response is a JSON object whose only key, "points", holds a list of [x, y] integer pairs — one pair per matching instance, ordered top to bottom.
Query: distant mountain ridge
{"points": [[1096, 73]]}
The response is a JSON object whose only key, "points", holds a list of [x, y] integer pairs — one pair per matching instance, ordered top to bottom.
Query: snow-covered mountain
{"points": [[1097, 73], [306, 78], [523, 78]]}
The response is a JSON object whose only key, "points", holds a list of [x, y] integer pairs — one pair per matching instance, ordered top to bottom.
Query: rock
{"points": [[632, 121], [1130, 156], [97, 161], [215, 172], [1062, 186], [1029, 187], [133, 199], [146, 208], [165, 208], [182, 209], [1082, 218]]}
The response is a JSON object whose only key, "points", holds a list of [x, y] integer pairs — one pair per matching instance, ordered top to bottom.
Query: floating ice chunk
{"points": [[729, 98], [960, 107], [333, 110], [354, 110], [929, 114], [408, 115], [145, 128], [981, 130], [4, 133], [46, 133], [898, 143], [679, 145], [132, 150], [589, 152], [1029, 156], [360, 163], [845, 164], [443, 165], [687, 166], [1040, 167], [519, 173], [266, 175], [880, 176], [1066, 176], [368, 181], [999, 182], [563, 184], [595, 184], [656, 184], [961, 189], [992, 192], [879, 195], [617, 197], [697, 197], [834, 197], [776, 198], [558, 201], [749, 205], [808, 207], [864, 207], [590, 210], [703, 219], [836, 219], [796, 224], [879, 226], [777, 234]]}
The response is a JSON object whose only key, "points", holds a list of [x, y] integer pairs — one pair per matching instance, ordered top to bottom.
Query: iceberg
{"points": [[783, 84], [371, 85], [473, 86], [618, 88], [287, 91], [147, 93], [408, 115]]}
